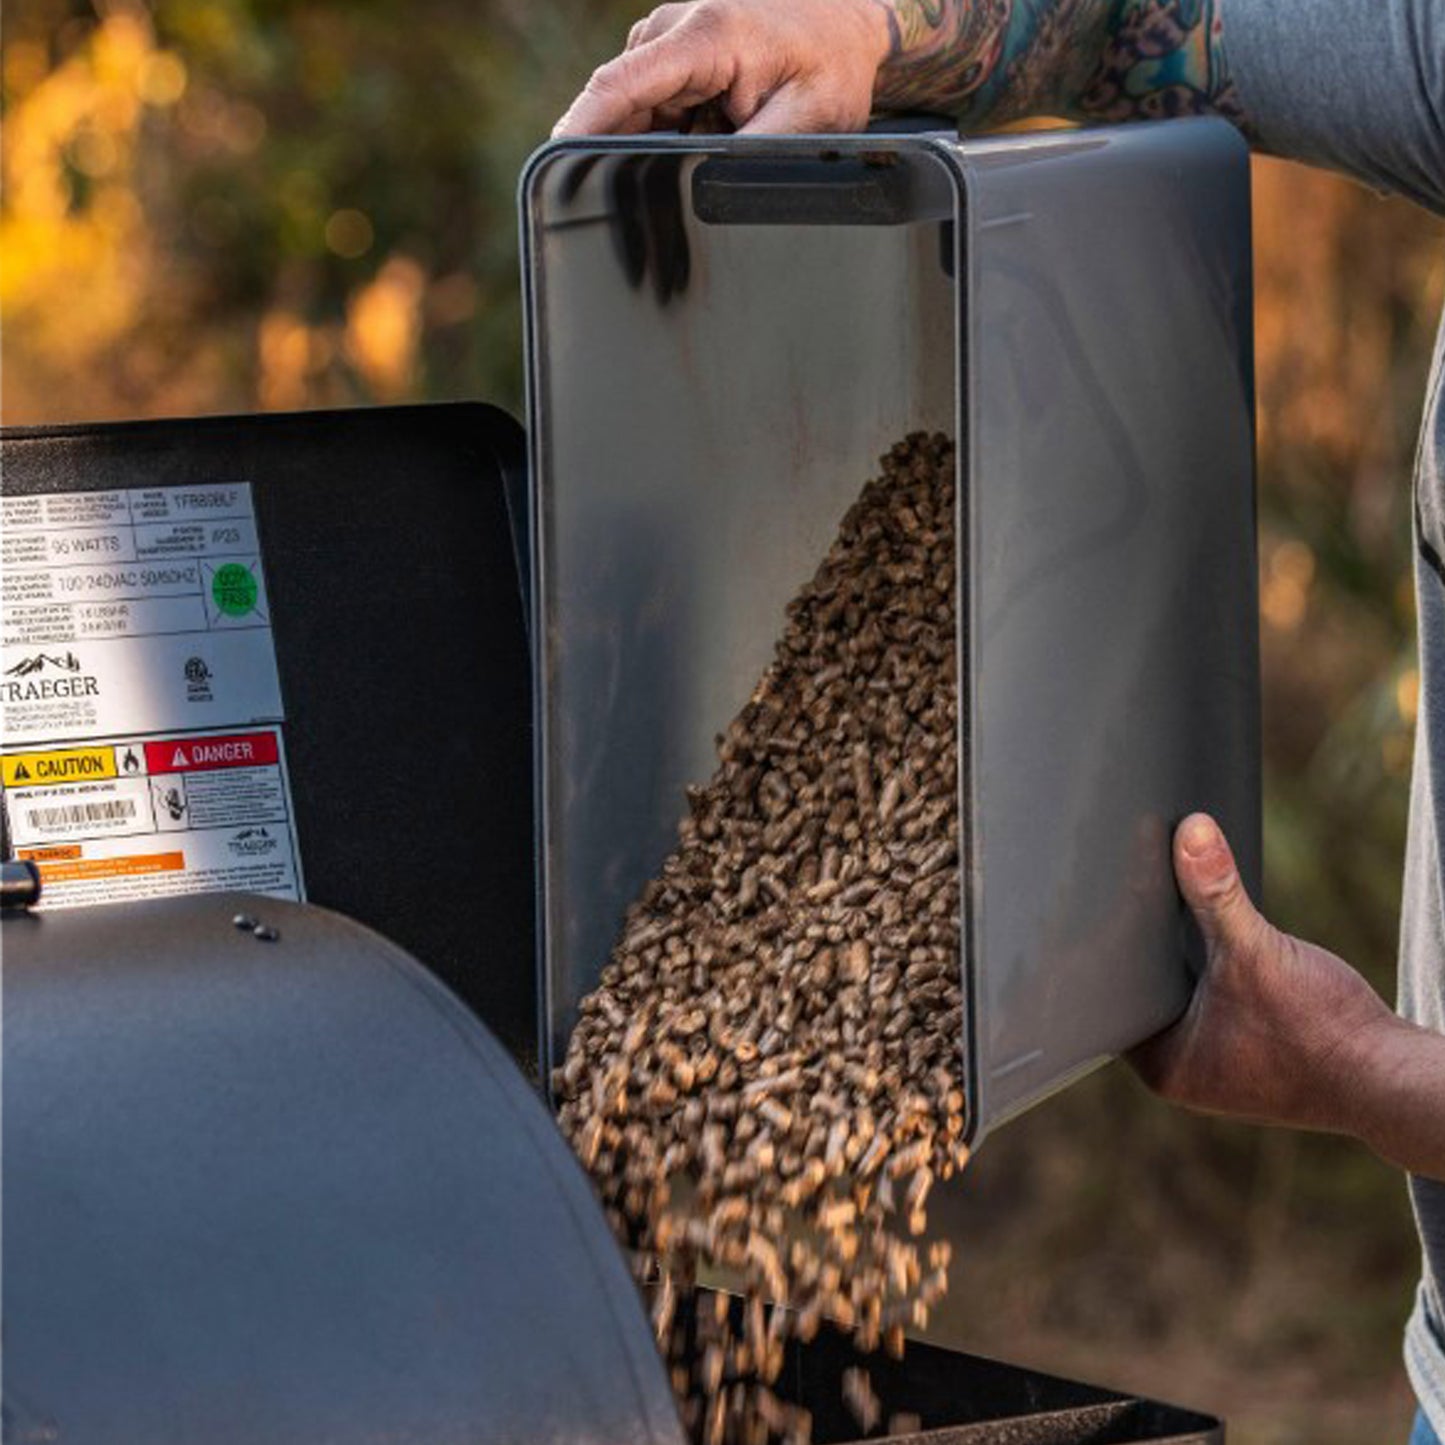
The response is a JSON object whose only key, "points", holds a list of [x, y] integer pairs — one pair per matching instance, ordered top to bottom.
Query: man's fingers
{"points": [[653, 26], [674, 70], [771, 70], [795, 108], [766, 114], [670, 117], [1210, 882]]}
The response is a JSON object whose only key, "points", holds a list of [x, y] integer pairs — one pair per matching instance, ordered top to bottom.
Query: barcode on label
{"points": [[77, 815]]}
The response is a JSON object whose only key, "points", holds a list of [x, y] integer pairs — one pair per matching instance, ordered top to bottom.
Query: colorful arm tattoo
{"points": [[991, 61]]}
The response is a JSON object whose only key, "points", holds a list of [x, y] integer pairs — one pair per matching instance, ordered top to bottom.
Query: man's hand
{"points": [[803, 65], [780, 66], [1281, 1031]]}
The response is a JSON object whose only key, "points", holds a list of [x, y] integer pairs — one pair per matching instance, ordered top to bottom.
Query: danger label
{"points": [[197, 755]]}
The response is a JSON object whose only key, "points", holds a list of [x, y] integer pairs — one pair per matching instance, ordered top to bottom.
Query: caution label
{"points": [[69, 765]]}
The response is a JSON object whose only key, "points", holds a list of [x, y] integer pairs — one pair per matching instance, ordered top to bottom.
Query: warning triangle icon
{"points": [[180, 760], [22, 773]]}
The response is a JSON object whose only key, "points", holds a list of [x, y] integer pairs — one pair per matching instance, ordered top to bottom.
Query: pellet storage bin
{"points": [[723, 335]]}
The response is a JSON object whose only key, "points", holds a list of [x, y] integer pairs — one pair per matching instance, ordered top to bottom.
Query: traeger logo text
{"points": [[24, 681], [252, 842]]}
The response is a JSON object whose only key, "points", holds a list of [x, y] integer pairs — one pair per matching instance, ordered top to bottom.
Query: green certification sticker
{"points": [[234, 590]]}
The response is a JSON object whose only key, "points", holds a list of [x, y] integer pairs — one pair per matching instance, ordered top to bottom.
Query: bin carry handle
{"points": [[913, 122], [838, 188]]}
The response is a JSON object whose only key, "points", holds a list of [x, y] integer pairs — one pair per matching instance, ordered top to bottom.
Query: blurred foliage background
{"points": [[215, 205]]}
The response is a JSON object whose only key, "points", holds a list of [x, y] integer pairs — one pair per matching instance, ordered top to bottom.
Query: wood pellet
{"points": [[767, 1080]]}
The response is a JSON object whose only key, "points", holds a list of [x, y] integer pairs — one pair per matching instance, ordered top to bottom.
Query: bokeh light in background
{"points": [[231, 205]]}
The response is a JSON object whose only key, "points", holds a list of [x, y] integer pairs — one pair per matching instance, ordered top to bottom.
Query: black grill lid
{"points": [[283, 1190]]}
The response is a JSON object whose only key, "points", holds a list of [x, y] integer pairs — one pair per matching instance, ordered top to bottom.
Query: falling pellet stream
{"points": [[767, 1081]]}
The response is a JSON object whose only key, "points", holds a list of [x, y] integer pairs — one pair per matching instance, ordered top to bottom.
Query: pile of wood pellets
{"points": [[767, 1081]]}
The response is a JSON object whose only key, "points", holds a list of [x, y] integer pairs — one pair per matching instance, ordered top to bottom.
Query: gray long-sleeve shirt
{"points": [[1359, 85]]}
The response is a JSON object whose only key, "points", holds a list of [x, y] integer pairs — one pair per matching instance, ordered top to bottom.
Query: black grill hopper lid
{"points": [[390, 539]]}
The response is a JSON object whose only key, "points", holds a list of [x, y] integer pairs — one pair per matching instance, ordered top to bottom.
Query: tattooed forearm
{"points": [[1161, 58], [989, 61]]}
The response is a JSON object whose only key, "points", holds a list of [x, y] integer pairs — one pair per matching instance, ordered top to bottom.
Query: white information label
{"points": [[133, 612], [139, 698]]}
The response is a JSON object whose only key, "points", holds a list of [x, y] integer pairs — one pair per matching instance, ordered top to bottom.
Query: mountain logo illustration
{"points": [[42, 660]]}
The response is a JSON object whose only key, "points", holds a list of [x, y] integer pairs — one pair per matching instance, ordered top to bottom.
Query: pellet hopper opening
{"points": [[768, 1079]]}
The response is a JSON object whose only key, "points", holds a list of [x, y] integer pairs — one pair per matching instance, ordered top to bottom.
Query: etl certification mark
{"points": [[234, 590]]}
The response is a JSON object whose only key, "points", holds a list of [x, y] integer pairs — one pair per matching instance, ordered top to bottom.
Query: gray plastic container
{"points": [[723, 334]]}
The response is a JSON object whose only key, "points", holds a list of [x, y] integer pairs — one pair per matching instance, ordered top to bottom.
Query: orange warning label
{"points": [[47, 855], [132, 866]]}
